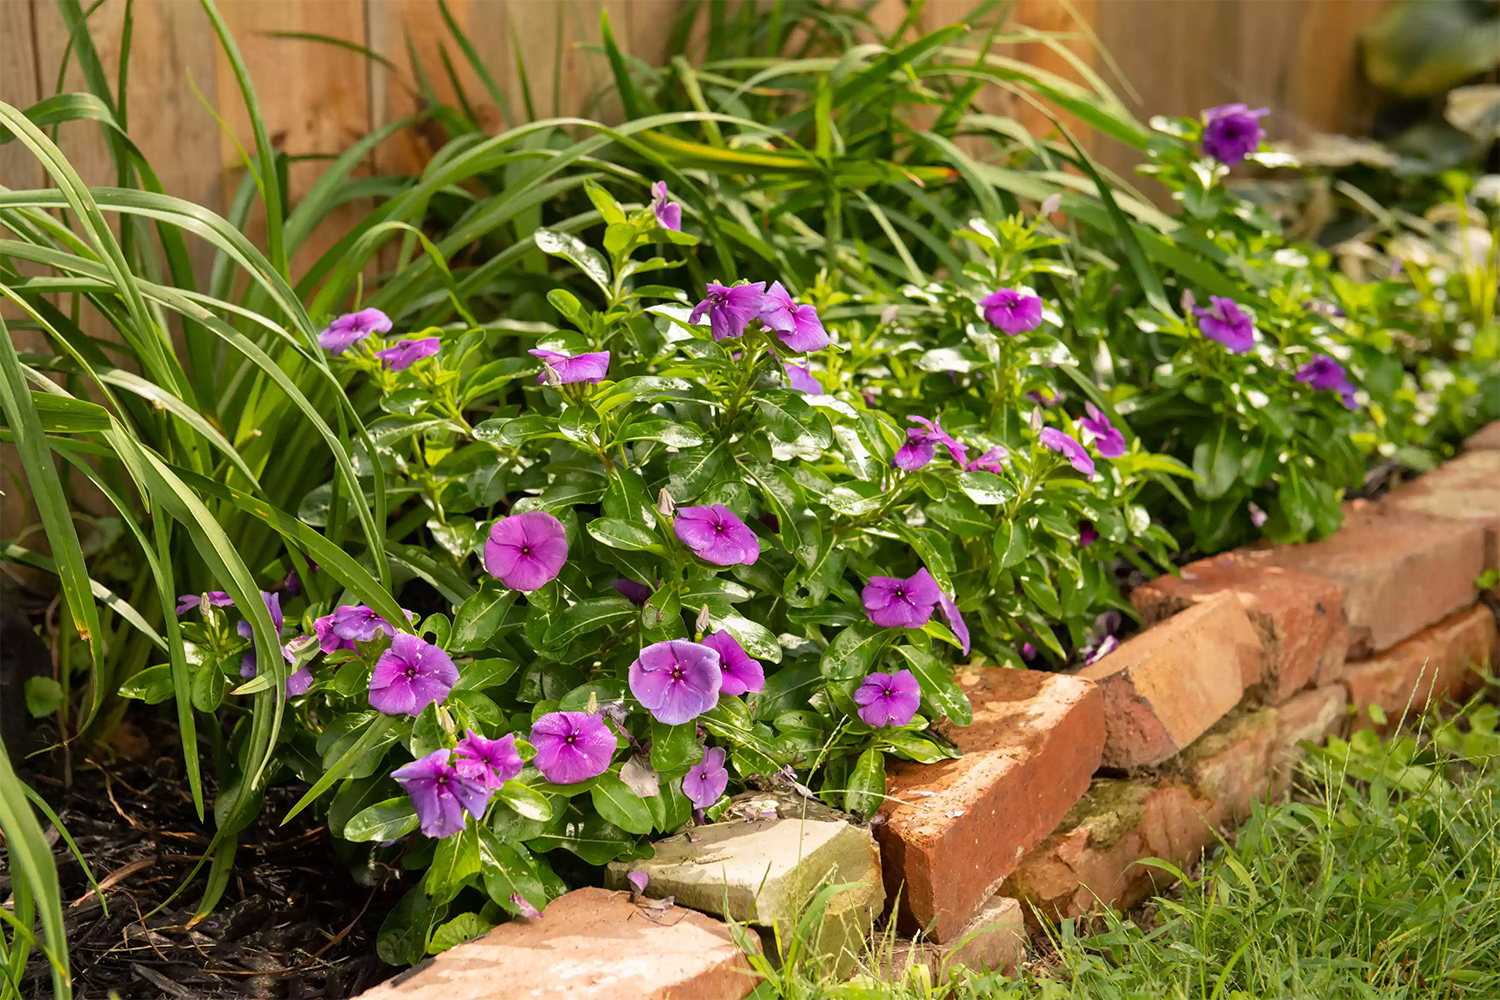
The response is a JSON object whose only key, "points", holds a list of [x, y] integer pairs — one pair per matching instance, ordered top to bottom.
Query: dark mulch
{"points": [[293, 922]]}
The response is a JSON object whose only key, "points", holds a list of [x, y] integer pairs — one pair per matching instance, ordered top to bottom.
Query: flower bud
{"points": [[1051, 205], [665, 505], [704, 621]]}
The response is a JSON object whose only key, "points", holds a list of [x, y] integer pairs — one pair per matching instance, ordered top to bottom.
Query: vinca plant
{"points": [[685, 547]]}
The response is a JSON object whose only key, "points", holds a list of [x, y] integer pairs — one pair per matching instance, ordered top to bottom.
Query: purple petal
{"points": [[526, 551], [676, 680], [571, 746]]}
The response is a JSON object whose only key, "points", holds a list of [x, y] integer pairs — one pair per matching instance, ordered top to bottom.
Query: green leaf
{"points": [[571, 248], [66, 415], [789, 416], [672, 433], [1216, 460], [693, 470], [985, 487], [618, 534], [1012, 543], [480, 616], [586, 616], [854, 651], [486, 673], [152, 685], [938, 686], [44, 696], [378, 731], [674, 748], [866, 784], [526, 801], [619, 805], [387, 820], [588, 835], [455, 861], [508, 871], [462, 928]]}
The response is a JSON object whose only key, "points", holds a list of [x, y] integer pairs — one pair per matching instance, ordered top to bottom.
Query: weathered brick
{"points": [[1487, 438], [1465, 489], [1401, 571], [1300, 617], [1436, 663], [1164, 687], [1312, 716], [1230, 765], [953, 830], [1090, 861], [764, 871], [994, 939], [591, 944]]}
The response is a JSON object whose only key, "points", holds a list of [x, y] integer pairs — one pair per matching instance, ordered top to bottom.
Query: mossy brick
{"points": [[1299, 617], [1166, 686], [1310, 717], [954, 830], [1090, 861], [591, 944]]}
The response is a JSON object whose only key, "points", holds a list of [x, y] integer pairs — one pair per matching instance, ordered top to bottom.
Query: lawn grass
{"points": [[1379, 878]]}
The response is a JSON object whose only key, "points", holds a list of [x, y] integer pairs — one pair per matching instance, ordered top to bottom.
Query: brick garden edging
{"points": [[1246, 655]]}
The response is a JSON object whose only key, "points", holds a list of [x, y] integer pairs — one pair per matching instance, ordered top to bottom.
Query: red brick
{"points": [[1486, 439], [1465, 489], [1401, 571], [1300, 617], [1437, 663], [1164, 687], [1312, 716], [1230, 766], [953, 830], [1090, 861], [592, 944]]}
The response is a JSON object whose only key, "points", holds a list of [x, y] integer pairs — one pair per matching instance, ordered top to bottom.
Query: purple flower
{"points": [[1232, 132], [668, 212], [730, 308], [1012, 311], [1225, 322], [798, 326], [345, 331], [408, 352], [572, 367], [1323, 372], [800, 377], [1049, 398], [935, 431], [1108, 441], [916, 452], [1077, 456], [992, 460], [1258, 517], [1087, 534], [716, 535], [526, 551], [292, 584], [637, 593], [187, 602], [892, 602], [953, 616], [355, 621], [328, 639], [1028, 651], [1093, 654], [248, 664], [742, 673], [410, 675], [676, 680], [888, 699], [571, 746], [491, 763], [707, 779], [440, 794], [637, 882], [525, 909]]}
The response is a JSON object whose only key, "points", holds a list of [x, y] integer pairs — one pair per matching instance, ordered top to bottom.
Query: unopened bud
{"points": [[1051, 205], [1188, 300], [888, 315], [550, 378], [1036, 419], [665, 505], [704, 621], [593, 705]]}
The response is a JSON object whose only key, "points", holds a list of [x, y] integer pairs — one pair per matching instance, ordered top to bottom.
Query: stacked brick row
{"points": [[1066, 780]]}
